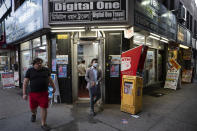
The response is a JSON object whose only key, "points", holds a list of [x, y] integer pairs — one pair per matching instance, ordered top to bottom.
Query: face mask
{"points": [[95, 64]]}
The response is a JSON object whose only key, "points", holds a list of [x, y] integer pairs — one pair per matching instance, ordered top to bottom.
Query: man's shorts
{"points": [[38, 99]]}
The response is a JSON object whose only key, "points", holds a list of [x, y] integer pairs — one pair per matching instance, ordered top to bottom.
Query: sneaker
{"points": [[92, 113], [33, 118], [45, 127]]}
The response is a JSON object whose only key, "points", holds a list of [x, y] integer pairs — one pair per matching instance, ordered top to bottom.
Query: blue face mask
{"points": [[95, 64]]}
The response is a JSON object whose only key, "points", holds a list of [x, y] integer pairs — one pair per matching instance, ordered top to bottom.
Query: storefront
{"points": [[155, 27], [26, 30], [83, 31], [184, 42]]}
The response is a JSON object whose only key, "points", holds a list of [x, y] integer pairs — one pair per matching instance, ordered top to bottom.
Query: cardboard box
{"points": [[131, 94]]}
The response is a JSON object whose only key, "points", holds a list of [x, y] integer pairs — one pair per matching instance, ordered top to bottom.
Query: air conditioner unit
{"points": [[182, 13]]}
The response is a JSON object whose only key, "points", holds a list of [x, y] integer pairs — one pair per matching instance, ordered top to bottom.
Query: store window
{"points": [[139, 39], [44, 40], [36, 42], [40, 49], [30, 50], [25, 62]]}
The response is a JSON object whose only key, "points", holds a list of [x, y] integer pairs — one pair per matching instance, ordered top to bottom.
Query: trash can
{"points": [[131, 94]]}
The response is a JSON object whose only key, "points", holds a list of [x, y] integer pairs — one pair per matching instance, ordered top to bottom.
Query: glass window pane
{"points": [[139, 39], [44, 40], [36, 42], [152, 42], [25, 46], [41, 52], [25, 63]]}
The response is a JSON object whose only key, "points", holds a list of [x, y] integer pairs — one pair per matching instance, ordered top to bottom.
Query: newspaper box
{"points": [[132, 64], [131, 93]]}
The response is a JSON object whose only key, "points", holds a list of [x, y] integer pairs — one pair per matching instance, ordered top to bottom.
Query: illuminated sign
{"points": [[89, 11], [26, 20], [62, 36]]}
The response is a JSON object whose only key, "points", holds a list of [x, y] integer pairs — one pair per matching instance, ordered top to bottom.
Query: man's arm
{"points": [[25, 83], [52, 84]]}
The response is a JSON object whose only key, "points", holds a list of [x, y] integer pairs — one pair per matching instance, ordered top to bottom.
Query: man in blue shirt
{"points": [[93, 77]]}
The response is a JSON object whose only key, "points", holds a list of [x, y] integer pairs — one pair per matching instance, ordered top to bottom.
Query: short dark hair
{"points": [[95, 59], [36, 60], [83, 61]]}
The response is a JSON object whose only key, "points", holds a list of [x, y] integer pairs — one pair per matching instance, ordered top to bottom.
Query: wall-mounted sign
{"points": [[6, 5], [88, 11], [26, 20], [129, 33], [180, 34], [62, 36], [187, 54], [62, 59]]}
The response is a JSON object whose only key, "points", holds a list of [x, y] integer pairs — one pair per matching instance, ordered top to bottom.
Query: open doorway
{"points": [[84, 50]]}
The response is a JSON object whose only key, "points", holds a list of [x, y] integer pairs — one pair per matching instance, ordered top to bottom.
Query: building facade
{"points": [[65, 32]]}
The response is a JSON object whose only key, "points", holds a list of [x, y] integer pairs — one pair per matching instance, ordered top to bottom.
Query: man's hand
{"points": [[93, 83], [24, 96]]}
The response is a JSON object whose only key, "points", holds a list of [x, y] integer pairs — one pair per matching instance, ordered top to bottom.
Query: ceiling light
{"points": [[56, 31], [155, 35], [156, 38], [164, 41], [183, 46]]}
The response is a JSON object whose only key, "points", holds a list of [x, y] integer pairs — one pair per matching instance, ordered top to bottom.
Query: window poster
{"points": [[62, 59], [54, 65], [114, 70], [62, 71]]}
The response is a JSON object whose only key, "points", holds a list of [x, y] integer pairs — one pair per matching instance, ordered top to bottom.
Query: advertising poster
{"points": [[187, 55], [62, 59], [54, 65], [115, 65], [114, 70], [62, 71], [172, 76], [187, 76], [8, 79], [172, 79], [128, 88], [57, 92]]}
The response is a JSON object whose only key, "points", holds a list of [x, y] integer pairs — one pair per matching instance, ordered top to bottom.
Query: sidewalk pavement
{"points": [[174, 111]]}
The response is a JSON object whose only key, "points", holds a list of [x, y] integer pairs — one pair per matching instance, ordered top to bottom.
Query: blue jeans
{"points": [[94, 92]]}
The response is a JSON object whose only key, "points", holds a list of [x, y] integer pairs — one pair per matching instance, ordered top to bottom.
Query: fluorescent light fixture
{"points": [[146, 2], [123, 26], [66, 28], [109, 29], [55, 31], [155, 35], [156, 38], [164, 38], [136, 41], [164, 41], [148, 44], [183, 46]]}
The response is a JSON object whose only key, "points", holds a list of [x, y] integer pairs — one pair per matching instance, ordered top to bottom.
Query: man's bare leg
{"points": [[43, 115]]}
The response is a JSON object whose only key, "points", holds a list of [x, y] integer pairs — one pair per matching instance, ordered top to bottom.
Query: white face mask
{"points": [[95, 64]]}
